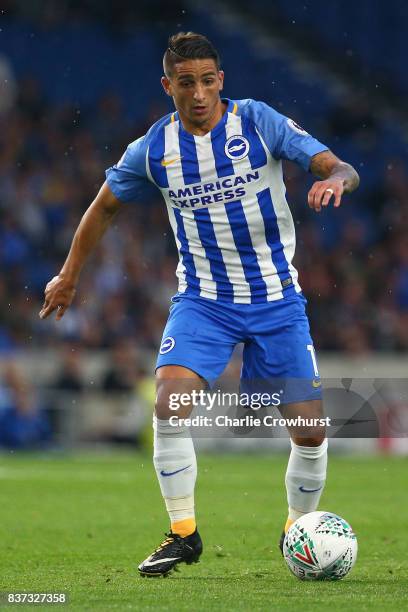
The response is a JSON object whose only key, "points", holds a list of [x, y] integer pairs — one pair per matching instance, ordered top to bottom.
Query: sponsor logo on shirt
{"points": [[202, 194]]}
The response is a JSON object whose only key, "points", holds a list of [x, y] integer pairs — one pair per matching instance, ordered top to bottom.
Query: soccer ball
{"points": [[320, 546]]}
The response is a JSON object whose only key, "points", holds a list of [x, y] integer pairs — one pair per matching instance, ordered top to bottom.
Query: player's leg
{"points": [[195, 349], [280, 354], [174, 456], [307, 465], [176, 468]]}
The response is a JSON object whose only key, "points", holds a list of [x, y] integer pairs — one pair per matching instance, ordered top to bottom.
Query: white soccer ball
{"points": [[320, 546]]}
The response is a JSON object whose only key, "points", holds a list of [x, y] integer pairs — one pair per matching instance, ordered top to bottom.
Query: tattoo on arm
{"points": [[326, 165]]}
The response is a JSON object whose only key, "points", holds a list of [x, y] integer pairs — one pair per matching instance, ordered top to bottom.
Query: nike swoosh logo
{"points": [[168, 162], [163, 473], [309, 490], [150, 563]]}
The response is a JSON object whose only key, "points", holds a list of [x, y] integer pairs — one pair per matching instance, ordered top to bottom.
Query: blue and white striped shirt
{"points": [[225, 198]]}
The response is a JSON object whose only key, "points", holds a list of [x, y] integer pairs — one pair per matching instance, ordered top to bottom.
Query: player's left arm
{"points": [[337, 178]]}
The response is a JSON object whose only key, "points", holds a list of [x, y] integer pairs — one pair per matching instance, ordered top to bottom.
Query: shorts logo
{"points": [[296, 128], [236, 147], [167, 345]]}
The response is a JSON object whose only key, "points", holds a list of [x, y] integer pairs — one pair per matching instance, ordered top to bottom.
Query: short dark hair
{"points": [[188, 45]]}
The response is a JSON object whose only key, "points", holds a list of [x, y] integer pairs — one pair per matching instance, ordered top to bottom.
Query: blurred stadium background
{"points": [[79, 80]]}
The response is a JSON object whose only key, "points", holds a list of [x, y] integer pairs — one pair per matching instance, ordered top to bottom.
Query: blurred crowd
{"points": [[353, 262], [23, 420]]}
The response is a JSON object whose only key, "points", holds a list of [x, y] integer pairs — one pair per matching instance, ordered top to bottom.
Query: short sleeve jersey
{"points": [[225, 197]]}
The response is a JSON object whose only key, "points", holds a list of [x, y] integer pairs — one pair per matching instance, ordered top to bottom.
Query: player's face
{"points": [[195, 87]]}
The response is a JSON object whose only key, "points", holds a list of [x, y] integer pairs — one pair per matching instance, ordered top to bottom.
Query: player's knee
{"points": [[176, 387], [170, 401], [163, 405], [315, 438]]}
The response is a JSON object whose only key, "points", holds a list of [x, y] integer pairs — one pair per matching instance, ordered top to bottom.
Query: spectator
{"points": [[23, 424]]}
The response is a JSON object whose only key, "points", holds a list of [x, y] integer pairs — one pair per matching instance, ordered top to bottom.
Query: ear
{"points": [[221, 78], [166, 85]]}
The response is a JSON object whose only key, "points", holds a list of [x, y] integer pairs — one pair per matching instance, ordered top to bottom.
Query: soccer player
{"points": [[217, 163]]}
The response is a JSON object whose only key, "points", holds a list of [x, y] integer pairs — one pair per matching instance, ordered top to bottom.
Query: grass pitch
{"points": [[81, 525]]}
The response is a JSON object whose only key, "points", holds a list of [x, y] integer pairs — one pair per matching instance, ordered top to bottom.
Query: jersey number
{"points": [[311, 350]]}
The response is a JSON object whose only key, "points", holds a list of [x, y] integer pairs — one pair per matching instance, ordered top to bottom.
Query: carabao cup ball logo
{"points": [[236, 147]]}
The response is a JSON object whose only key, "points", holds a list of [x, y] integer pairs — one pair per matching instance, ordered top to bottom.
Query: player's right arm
{"points": [[287, 140], [60, 291]]}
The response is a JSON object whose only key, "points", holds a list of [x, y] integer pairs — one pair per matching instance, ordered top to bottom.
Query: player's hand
{"points": [[323, 191], [59, 294]]}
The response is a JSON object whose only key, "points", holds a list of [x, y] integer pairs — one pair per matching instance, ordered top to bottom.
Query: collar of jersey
{"points": [[217, 128]]}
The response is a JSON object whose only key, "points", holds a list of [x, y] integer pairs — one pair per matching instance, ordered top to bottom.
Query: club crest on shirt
{"points": [[296, 128], [236, 147], [167, 345]]}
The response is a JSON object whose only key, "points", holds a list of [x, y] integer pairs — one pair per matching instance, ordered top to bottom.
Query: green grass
{"points": [[81, 524]]}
